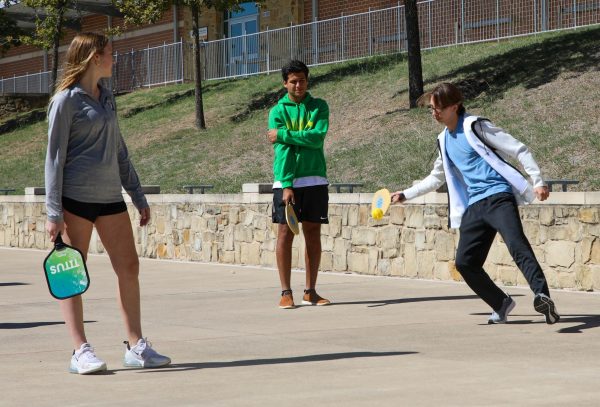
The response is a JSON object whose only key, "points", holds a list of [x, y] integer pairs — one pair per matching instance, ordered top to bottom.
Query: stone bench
{"points": [[562, 182], [349, 185], [191, 188], [257, 188]]}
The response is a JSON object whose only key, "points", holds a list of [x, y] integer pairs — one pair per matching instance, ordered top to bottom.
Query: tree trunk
{"points": [[55, 45], [415, 71], [200, 122]]}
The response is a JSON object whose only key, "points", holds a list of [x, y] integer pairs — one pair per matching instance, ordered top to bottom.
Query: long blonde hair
{"points": [[81, 51]]}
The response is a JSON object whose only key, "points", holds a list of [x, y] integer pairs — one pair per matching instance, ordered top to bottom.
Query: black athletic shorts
{"points": [[311, 204], [91, 211]]}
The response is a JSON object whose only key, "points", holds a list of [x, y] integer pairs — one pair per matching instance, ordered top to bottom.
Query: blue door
{"points": [[243, 33]]}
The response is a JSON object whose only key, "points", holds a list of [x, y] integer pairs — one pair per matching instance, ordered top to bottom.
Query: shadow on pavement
{"points": [[11, 284], [380, 303], [512, 321], [585, 322], [26, 325], [180, 367]]}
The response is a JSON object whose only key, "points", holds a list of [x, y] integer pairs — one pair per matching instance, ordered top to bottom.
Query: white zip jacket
{"points": [[495, 146]]}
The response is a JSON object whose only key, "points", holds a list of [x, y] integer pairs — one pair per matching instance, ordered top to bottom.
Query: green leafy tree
{"points": [[196, 6], [140, 12], [51, 18], [45, 26], [9, 33]]}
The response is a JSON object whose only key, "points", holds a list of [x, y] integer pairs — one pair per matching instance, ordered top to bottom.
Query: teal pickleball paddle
{"points": [[65, 271]]}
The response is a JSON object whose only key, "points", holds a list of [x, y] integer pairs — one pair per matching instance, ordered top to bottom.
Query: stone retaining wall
{"points": [[19, 103], [412, 240]]}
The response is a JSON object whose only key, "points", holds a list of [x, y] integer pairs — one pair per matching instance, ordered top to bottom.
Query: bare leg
{"points": [[77, 234], [117, 237], [285, 238], [312, 255]]}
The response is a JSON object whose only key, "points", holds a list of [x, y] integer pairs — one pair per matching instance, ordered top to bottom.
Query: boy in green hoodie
{"points": [[297, 128]]}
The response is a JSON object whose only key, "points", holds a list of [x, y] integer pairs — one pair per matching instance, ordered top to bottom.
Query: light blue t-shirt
{"points": [[481, 179]]}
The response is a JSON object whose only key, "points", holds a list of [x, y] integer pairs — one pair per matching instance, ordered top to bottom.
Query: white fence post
{"points": [[498, 20], [462, 21], [429, 23], [399, 28], [535, 29], [370, 34], [343, 35], [291, 40], [315, 41], [268, 50], [181, 58], [205, 64], [148, 65], [116, 72]]}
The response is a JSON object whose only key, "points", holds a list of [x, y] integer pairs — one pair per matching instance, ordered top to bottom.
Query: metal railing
{"points": [[441, 23], [151, 66], [28, 83]]}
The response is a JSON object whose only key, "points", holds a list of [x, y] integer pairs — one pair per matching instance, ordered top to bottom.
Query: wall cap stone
{"points": [[257, 188], [35, 191], [36, 194]]}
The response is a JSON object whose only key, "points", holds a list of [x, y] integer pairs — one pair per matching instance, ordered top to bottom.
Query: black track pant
{"points": [[481, 221]]}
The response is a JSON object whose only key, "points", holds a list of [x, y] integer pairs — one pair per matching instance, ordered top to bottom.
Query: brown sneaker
{"points": [[312, 298], [287, 300]]}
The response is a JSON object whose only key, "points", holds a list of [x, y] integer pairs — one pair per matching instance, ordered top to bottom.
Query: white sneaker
{"points": [[501, 316], [142, 355], [85, 361]]}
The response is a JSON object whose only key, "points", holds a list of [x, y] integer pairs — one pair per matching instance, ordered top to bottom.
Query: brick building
{"points": [[442, 22], [175, 25]]}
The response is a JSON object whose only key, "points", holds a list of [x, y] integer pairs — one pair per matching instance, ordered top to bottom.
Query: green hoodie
{"points": [[301, 133]]}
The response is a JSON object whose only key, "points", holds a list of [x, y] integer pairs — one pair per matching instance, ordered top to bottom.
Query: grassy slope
{"points": [[543, 89]]}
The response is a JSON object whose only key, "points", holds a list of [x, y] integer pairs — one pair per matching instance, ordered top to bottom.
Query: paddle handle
{"points": [[58, 242]]}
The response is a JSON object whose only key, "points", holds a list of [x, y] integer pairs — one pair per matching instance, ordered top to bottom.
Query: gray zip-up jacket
{"points": [[495, 146], [87, 159]]}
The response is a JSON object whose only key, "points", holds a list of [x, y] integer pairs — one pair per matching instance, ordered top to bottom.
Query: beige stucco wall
{"points": [[278, 14], [412, 241]]}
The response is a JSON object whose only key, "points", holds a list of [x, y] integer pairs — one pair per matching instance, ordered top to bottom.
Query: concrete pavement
{"points": [[385, 342]]}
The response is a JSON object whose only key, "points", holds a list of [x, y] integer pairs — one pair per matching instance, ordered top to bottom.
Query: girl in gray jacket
{"points": [[86, 165]]}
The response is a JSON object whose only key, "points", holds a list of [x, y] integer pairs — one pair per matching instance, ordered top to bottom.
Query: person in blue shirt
{"points": [[483, 193]]}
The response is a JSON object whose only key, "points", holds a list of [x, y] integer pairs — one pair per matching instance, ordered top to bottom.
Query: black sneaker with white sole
{"points": [[544, 305]]}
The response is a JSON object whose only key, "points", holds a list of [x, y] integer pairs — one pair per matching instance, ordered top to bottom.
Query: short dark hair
{"points": [[294, 66], [444, 95]]}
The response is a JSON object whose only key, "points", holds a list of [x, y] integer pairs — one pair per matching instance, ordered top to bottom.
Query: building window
{"points": [[247, 9]]}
